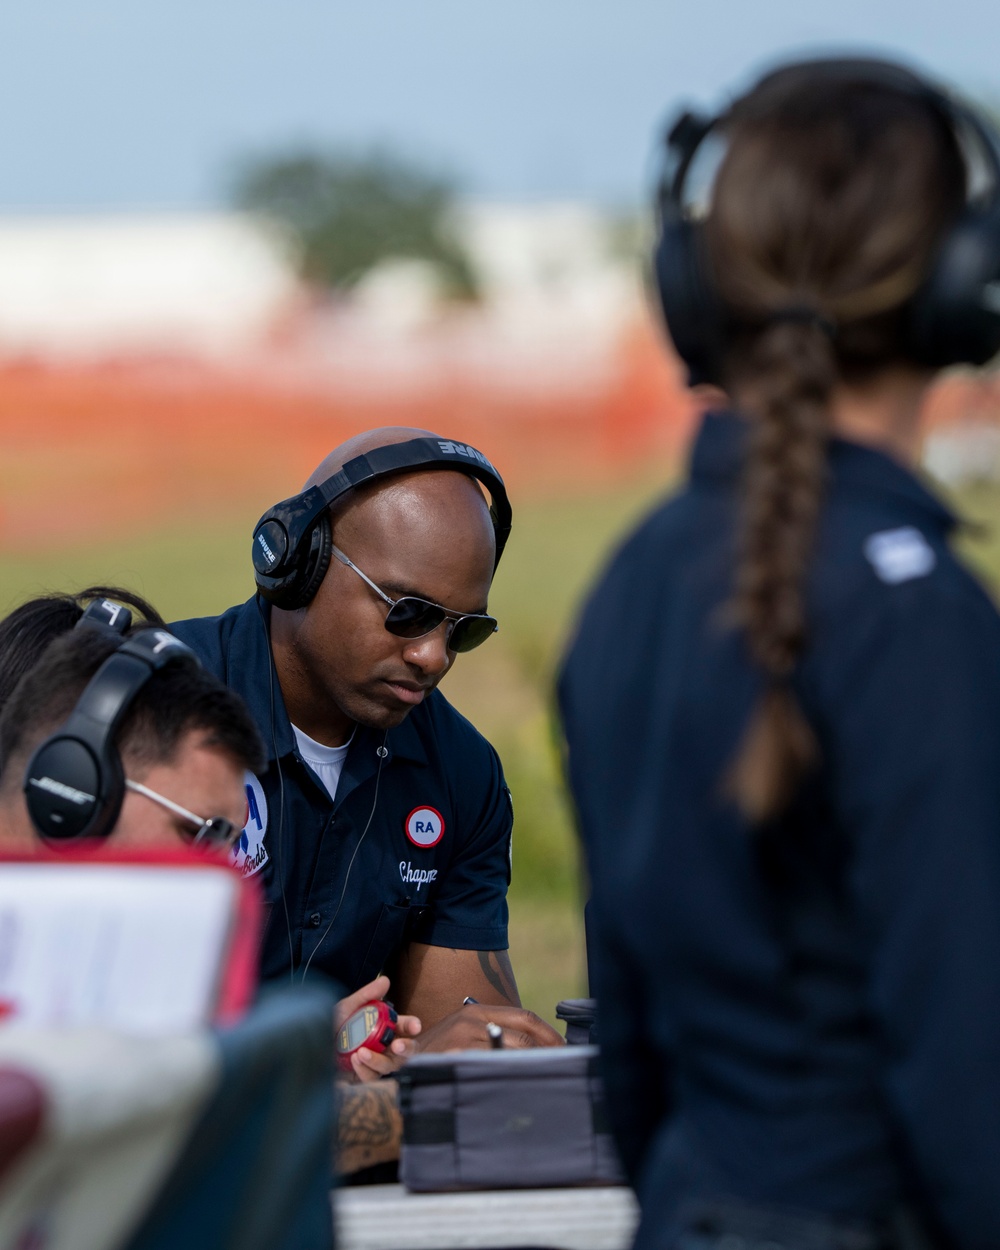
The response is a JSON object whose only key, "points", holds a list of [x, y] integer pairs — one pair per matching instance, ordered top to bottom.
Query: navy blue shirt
{"points": [[415, 848], [807, 1015]]}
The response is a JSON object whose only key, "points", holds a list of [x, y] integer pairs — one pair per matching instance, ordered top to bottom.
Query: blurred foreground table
{"points": [[388, 1217]]}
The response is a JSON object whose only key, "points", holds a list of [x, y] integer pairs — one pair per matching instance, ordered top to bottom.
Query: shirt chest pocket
{"points": [[390, 933]]}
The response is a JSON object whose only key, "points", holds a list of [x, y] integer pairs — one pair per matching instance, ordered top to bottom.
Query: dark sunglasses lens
{"points": [[412, 618], [471, 631], [216, 831]]}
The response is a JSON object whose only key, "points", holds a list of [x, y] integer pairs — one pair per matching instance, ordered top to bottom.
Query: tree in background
{"points": [[347, 213]]}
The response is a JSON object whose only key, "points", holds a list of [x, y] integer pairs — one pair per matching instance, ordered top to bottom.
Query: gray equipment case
{"points": [[496, 1119]]}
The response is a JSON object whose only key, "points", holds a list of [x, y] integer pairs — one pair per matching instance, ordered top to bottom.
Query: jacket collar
{"points": [[720, 448]]}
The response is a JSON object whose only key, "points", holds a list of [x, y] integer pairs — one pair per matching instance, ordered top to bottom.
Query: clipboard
{"points": [[145, 941]]}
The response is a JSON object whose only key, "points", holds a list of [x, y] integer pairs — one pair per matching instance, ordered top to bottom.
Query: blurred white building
{"points": [[204, 283], [221, 285]]}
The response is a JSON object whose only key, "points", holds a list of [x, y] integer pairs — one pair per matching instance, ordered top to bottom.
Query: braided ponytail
{"points": [[826, 211], [793, 370]]}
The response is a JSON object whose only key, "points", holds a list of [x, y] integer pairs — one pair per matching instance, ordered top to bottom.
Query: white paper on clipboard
{"points": [[132, 947]]}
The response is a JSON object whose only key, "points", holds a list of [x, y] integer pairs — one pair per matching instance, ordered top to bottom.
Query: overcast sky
{"points": [[130, 104]]}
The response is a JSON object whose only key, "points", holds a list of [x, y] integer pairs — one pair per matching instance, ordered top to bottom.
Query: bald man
{"points": [[382, 823]]}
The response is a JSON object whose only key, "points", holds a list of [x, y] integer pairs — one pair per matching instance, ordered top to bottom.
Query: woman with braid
{"points": [[782, 704]]}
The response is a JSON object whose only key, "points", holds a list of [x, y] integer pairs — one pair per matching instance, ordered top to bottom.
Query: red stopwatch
{"points": [[371, 1026]]}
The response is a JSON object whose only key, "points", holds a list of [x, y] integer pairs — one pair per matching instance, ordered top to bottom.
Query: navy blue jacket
{"points": [[342, 900], [807, 1016]]}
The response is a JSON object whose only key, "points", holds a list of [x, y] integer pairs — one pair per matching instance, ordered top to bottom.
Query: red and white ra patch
{"points": [[425, 827]]}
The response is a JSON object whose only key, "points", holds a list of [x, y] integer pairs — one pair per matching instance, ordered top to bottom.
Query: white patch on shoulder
{"points": [[900, 555]]}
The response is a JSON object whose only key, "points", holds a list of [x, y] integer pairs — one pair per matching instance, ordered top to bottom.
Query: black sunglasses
{"points": [[411, 617]]}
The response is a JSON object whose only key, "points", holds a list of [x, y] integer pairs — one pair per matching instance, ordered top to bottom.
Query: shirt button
{"points": [[315, 920]]}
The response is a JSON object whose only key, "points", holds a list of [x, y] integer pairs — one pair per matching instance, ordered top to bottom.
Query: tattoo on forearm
{"points": [[496, 969], [369, 1125]]}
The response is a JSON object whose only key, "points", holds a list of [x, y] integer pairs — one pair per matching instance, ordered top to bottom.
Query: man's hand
{"points": [[434, 981], [466, 1029], [367, 1065]]}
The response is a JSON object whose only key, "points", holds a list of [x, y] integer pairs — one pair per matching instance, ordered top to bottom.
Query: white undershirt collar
{"points": [[326, 762]]}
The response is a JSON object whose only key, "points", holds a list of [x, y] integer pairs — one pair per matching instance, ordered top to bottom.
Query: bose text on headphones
{"points": [[954, 316], [292, 541], [74, 784]]}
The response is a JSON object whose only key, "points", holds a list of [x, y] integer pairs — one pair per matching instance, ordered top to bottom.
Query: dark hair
{"points": [[828, 206], [28, 630], [174, 701]]}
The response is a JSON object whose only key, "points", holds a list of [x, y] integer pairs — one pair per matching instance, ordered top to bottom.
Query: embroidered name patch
{"points": [[899, 555], [425, 827], [416, 876]]}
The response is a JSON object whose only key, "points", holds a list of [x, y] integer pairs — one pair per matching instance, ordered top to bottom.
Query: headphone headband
{"points": [[690, 130], [955, 314], [292, 540], [107, 615], [110, 692], [74, 783]]}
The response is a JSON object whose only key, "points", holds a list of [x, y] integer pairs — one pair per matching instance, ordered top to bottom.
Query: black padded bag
{"points": [[502, 1119]]}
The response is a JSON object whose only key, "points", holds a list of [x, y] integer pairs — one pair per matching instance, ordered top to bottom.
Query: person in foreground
{"points": [[782, 704], [183, 739], [128, 743], [381, 825]]}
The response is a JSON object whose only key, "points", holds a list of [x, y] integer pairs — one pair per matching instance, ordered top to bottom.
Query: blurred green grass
{"points": [[191, 569], [505, 688]]}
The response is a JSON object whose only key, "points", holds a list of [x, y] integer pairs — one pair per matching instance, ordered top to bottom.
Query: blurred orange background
{"points": [[85, 444]]}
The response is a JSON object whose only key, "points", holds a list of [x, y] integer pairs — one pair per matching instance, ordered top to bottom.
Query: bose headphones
{"points": [[954, 317], [292, 541], [74, 784]]}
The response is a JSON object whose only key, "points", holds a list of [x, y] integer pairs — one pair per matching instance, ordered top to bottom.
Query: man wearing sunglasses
{"points": [[382, 821]]}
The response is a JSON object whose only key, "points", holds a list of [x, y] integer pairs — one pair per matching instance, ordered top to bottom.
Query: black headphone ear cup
{"points": [[691, 308], [955, 316], [307, 562], [316, 562], [112, 780], [113, 787], [70, 793]]}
